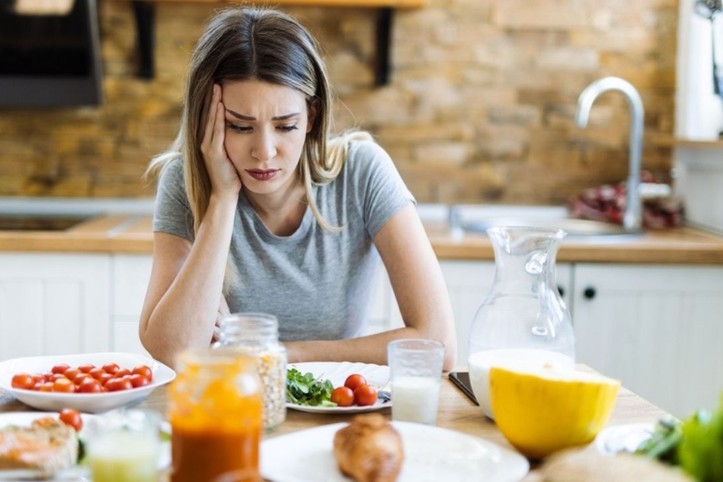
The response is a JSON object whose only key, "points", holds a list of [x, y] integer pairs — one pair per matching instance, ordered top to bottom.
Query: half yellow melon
{"points": [[542, 409]]}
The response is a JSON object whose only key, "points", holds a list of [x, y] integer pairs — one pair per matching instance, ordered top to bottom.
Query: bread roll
{"points": [[369, 449]]}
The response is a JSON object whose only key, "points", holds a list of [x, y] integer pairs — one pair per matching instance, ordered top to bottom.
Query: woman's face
{"points": [[266, 126]]}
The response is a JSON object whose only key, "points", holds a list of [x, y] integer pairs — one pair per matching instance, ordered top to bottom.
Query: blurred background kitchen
{"points": [[478, 105]]}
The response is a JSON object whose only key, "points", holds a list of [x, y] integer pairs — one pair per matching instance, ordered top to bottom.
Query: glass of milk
{"points": [[416, 372]]}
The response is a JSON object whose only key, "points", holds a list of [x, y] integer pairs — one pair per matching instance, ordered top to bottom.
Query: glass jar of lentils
{"points": [[257, 334]]}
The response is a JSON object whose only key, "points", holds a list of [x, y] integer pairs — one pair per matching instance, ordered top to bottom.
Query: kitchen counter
{"points": [[131, 233]]}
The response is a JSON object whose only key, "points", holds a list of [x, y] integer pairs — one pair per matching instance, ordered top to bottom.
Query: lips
{"points": [[262, 175]]}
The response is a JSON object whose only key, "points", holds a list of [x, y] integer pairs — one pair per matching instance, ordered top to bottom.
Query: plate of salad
{"points": [[337, 387]]}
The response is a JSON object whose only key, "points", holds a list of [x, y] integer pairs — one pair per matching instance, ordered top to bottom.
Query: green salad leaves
{"points": [[305, 389], [696, 444]]}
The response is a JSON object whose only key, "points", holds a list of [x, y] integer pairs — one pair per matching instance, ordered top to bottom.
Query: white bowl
{"points": [[84, 402]]}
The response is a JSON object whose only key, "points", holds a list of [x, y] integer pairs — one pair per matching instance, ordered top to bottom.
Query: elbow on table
{"points": [[450, 354]]}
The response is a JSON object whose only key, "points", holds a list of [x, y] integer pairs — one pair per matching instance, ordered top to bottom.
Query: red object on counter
{"points": [[607, 203]]}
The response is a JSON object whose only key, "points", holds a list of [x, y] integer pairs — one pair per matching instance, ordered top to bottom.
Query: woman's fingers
{"points": [[211, 118], [218, 131], [220, 169]]}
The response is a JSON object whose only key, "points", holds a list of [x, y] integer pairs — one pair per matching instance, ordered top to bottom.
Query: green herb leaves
{"points": [[305, 389]]}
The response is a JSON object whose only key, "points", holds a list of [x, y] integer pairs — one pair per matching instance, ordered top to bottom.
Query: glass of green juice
{"points": [[126, 447]]}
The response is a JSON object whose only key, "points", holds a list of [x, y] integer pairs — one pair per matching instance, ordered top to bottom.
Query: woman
{"points": [[256, 212]]}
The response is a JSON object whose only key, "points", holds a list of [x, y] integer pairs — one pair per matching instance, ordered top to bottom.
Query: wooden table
{"points": [[456, 412]]}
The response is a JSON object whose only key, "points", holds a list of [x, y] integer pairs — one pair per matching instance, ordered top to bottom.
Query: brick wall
{"points": [[480, 105]]}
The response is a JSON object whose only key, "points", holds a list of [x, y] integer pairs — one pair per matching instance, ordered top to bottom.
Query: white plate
{"points": [[376, 375], [84, 402], [25, 419], [92, 426], [623, 438], [431, 454]]}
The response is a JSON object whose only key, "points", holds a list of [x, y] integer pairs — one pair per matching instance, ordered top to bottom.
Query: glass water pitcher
{"points": [[523, 316]]}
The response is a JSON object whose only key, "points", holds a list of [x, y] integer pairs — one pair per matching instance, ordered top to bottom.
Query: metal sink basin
{"points": [[477, 219], [573, 227]]}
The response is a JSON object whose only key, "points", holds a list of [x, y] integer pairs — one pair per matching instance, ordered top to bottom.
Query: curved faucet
{"points": [[633, 216]]}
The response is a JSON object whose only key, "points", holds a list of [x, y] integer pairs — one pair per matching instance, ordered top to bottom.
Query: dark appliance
{"points": [[50, 59]]}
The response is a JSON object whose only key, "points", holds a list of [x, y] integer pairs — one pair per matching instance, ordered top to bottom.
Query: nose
{"points": [[263, 147]]}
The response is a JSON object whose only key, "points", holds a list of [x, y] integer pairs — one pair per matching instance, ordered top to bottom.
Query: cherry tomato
{"points": [[86, 367], [60, 368], [111, 368], [144, 370], [96, 372], [122, 372], [71, 373], [56, 376], [82, 376], [38, 377], [104, 378], [138, 380], [354, 380], [24, 381], [118, 384], [63, 385], [90, 385], [47, 387], [365, 395], [343, 396], [71, 418]]}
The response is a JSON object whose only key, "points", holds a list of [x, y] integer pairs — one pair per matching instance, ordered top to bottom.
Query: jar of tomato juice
{"points": [[215, 407]]}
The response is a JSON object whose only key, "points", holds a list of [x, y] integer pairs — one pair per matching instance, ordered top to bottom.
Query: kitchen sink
{"points": [[477, 219], [36, 222], [573, 227]]}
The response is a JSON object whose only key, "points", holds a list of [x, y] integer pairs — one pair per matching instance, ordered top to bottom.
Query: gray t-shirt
{"points": [[318, 283]]}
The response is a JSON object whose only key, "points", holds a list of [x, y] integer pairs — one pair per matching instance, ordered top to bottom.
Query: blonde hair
{"points": [[266, 45]]}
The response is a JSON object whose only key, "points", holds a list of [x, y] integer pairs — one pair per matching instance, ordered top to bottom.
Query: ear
{"points": [[313, 111]]}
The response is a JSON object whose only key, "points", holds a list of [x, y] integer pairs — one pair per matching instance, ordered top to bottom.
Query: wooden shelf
{"points": [[144, 11]]}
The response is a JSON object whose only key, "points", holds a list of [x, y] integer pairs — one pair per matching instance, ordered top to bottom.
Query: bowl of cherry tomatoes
{"points": [[91, 382]]}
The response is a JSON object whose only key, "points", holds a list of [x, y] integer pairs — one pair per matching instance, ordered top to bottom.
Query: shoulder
{"points": [[368, 150], [366, 159], [172, 171], [171, 187]]}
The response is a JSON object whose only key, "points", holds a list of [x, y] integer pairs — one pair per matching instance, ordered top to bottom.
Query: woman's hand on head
{"points": [[223, 174]]}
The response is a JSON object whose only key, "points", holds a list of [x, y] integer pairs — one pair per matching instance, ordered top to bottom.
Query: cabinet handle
{"points": [[561, 290], [589, 293]]}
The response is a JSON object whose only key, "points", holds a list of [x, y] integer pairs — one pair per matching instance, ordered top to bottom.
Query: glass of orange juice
{"points": [[215, 411]]}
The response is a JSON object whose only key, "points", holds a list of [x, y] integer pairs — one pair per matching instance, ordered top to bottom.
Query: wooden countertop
{"points": [[132, 234], [456, 412]]}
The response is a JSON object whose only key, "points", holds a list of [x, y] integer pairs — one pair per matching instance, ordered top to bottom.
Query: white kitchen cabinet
{"points": [[130, 275], [468, 283], [53, 304], [658, 329]]}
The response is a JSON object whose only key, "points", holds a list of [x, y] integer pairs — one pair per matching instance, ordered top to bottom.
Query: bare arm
{"points": [[420, 291], [184, 292]]}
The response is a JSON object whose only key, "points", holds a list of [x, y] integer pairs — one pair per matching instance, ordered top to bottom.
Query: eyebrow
{"points": [[249, 118]]}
